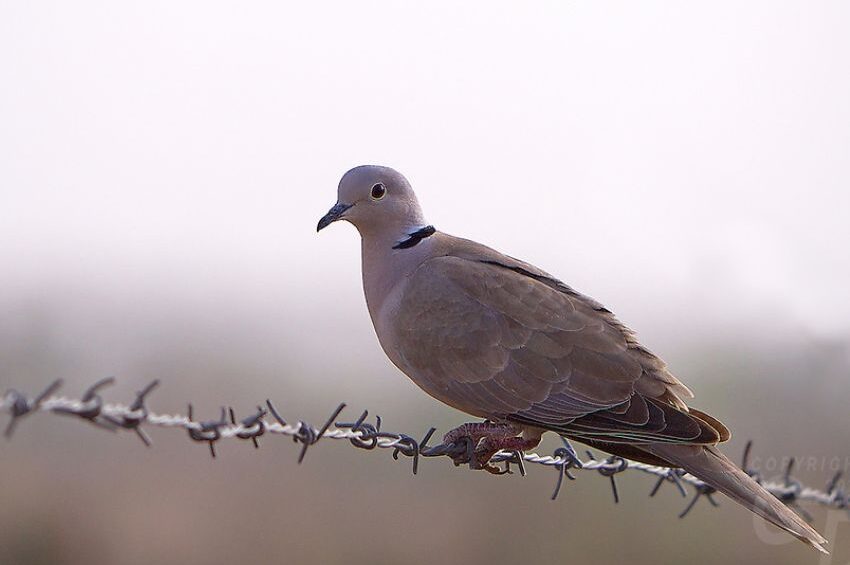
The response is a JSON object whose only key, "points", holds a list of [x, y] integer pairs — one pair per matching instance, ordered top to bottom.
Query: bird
{"points": [[502, 340]]}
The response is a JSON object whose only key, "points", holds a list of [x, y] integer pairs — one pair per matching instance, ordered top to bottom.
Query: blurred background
{"points": [[162, 169]]}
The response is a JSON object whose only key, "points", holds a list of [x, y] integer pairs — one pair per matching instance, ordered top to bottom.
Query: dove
{"points": [[502, 340]]}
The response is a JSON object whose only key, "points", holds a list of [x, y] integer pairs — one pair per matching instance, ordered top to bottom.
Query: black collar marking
{"points": [[415, 237]]}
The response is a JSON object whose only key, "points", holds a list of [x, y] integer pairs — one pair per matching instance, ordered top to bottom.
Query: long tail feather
{"points": [[708, 464]]}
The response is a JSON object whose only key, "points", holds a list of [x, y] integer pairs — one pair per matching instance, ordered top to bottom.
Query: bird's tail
{"points": [[716, 470]]}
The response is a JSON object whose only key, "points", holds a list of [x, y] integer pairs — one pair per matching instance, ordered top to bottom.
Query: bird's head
{"points": [[377, 200]]}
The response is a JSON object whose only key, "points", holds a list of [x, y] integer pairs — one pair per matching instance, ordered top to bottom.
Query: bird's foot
{"points": [[485, 439]]}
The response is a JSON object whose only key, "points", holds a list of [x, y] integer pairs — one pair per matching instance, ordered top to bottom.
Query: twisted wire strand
{"points": [[365, 435]]}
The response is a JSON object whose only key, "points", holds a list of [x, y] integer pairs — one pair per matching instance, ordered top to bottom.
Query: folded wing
{"points": [[497, 338]]}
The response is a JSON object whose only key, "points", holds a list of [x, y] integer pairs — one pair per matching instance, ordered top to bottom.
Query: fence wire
{"points": [[367, 435]]}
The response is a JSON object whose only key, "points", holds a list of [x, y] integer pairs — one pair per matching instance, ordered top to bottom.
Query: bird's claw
{"points": [[481, 442], [477, 460], [497, 470]]}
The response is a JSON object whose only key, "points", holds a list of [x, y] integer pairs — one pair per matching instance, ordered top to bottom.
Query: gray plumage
{"points": [[500, 339]]}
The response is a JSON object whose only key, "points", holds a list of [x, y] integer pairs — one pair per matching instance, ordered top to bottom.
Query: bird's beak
{"points": [[333, 215]]}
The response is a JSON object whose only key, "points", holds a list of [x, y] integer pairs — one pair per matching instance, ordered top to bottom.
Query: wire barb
{"points": [[19, 405], [137, 415], [366, 435]]}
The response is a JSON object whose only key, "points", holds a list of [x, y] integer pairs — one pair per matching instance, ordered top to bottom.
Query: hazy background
{"points": [[162, 169]]}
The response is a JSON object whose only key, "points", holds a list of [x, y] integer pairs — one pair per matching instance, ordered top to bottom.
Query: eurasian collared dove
{"points": [[500, 339]]}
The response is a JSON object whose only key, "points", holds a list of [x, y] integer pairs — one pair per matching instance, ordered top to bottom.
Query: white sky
{"points": [[686, 163]]}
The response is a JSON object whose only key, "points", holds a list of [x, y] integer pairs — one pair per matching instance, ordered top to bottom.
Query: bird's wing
{"points": [[497, 338]]}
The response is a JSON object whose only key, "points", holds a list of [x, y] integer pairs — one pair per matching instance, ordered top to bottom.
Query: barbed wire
{"points": [[363, 434]]}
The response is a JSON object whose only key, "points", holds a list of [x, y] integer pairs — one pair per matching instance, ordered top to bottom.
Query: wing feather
{"points": [[501, 340]]}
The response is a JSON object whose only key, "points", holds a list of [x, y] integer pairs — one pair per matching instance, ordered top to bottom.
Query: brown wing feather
{"points": [[499, 340]]}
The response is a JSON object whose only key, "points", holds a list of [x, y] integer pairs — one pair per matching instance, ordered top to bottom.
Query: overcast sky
{"points": [[686, 163]]}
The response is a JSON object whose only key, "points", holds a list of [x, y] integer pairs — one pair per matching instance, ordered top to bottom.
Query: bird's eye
{"points": [[378, 191]]}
